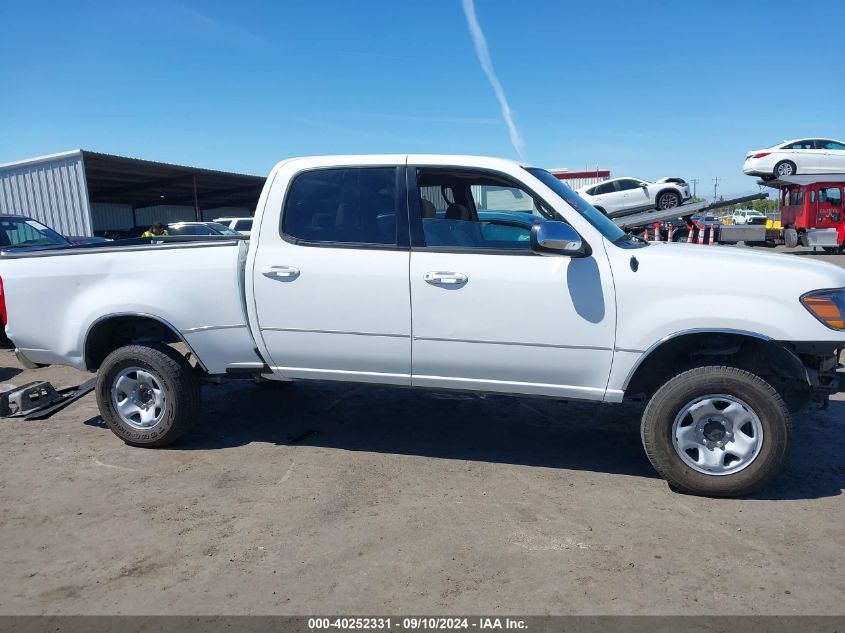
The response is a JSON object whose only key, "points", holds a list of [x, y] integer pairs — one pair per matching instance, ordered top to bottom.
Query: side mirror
{"points": [[555, 238]]}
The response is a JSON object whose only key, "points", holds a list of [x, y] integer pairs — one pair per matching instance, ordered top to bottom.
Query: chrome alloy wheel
{"points": [[785, 169], [669, 201], [138, 398], [717, 434]]}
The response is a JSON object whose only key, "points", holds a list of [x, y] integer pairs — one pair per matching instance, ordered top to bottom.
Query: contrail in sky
{"points": [[487, 65]]}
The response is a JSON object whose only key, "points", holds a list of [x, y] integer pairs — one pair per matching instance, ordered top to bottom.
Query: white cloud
{"points": [[487, 65]]}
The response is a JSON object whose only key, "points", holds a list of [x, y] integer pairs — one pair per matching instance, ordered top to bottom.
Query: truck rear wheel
{"points": [[148, 395], [717, 432]]}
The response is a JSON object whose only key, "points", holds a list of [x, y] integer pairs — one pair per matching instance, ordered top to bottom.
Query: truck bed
{"points": [[202, 280]]}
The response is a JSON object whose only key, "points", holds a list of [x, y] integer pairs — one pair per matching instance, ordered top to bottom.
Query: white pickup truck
{"points": [[446, 272]]}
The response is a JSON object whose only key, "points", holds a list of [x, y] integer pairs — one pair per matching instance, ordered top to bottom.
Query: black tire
{"points": [[785, 168], [671, 199], [602, 211], [681, 235], [790, 237], [177, 380], [659, 417]]}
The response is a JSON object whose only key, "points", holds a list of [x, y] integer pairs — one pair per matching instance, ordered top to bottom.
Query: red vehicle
{"points": [[812, 212]]}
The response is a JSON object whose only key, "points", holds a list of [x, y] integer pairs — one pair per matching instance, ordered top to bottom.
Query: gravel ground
{"points": [[322, 498]]}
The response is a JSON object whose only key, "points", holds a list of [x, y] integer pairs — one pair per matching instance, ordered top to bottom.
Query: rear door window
{"points": [[808, 144], [626, 184], [607, 187], [351, 205]]}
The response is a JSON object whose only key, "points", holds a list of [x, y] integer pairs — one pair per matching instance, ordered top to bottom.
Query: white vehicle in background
{"points": [[801, 156], [619, 196], [748, 216], [241, 225], [199, 228]]}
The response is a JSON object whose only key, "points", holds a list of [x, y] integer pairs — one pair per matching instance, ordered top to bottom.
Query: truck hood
{"points": [[743, 269]]}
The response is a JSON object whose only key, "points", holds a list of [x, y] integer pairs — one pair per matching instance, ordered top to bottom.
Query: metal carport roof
{"points": [[144, 183]]}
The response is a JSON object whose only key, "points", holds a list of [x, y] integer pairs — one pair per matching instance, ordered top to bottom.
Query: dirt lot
{"points": [[316, 498]]}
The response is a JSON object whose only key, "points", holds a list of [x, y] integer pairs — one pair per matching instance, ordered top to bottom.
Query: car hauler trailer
{"points": [[657, 222]]}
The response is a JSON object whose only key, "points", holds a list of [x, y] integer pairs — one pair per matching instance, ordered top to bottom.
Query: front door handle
{"points": [[283, 272], [441, 278]]}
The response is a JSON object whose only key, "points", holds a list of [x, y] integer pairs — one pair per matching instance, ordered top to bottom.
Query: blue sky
{"points": [[648, 89]]}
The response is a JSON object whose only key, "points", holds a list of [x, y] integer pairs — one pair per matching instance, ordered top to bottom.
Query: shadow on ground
{"points": [[812, 253], [7, 373], [453, 425], [503, 429]]}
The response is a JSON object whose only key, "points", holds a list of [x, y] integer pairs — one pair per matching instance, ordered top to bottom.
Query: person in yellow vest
{"points": [[156, 230]]}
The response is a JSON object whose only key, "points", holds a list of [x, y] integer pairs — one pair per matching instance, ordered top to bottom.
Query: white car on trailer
{"points": [[799, 156], [629, 195]]}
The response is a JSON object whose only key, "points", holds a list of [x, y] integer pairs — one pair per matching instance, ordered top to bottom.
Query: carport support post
{"points": [[196, 200]]}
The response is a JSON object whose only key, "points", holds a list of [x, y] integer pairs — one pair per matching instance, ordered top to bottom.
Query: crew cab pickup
{"points": [[446, 272]]}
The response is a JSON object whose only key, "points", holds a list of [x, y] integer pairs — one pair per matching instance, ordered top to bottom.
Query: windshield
{"points": [[600, 221], [23, 232]]}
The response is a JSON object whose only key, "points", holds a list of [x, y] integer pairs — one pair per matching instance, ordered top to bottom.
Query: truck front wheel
{"points": [[148, 395], [717, 432]]}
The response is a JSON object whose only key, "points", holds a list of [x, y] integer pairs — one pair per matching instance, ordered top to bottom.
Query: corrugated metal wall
{"points": [[53, 192], [225, 212], [166, 213], [173, 213], [112, 216]]}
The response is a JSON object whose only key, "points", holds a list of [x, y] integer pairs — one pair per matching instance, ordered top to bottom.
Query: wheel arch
{"points": [[785, 160], [669, 189], [111, 331], [683, 350]]}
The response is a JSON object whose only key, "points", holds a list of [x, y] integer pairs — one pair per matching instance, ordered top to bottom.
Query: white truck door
{"points": [[330, 281], [488, 313]]}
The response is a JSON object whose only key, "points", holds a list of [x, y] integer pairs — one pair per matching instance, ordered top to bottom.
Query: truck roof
{"points": [[414, 159]]}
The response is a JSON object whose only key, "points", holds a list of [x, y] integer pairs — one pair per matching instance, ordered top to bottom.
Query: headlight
{"points": [[828, 306]]}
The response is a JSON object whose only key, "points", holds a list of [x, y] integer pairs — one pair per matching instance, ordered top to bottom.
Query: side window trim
{"points": [[401, 201]]}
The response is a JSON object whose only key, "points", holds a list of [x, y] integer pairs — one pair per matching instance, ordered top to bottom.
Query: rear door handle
{"points": [[285, 272], [441, 278]]}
